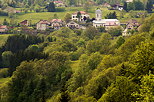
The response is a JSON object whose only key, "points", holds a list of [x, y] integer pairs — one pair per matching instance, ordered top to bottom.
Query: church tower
{"points": [[98, 13]]}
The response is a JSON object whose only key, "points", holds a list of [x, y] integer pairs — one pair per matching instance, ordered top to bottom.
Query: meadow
{"points": [[34, 17], [3, 38], [3, 80]]}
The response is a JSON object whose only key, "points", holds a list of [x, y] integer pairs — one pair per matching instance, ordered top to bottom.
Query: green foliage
{"points": [[51, 7], [111, 15], [67, 17], [115, 31], [120, 41], [142, 59], [4, 73], [120, 91], [146, 93]]}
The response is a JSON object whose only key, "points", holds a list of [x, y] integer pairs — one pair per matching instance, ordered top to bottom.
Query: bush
{"points": [[4, 73]]}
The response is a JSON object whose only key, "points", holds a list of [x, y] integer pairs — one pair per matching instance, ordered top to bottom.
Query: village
{"points": [[78, 20]]}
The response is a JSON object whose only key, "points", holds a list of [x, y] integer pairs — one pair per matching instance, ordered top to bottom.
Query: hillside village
{"points": [[78, 20], [79, 23], [76, 50]]}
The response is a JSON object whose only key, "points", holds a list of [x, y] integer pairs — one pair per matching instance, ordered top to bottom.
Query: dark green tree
{"points": [[125, 6], [149, 6], [51, 7]]}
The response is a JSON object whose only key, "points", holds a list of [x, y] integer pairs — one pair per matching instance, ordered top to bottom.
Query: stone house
{"points": [[56, 23], [42, 25]]}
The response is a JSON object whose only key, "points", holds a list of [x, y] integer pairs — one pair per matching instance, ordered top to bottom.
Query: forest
{"points": [[74, 65]]}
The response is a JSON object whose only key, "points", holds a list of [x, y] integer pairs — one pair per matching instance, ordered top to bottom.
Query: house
{"points": [[128, 1], [59, 3], [106, 5], [117, 7], [11, 10], [83, 15], [24, 23], [56, 23], [107, 23], [42, 25], [73, 25], [130, 25], [3, 28]]}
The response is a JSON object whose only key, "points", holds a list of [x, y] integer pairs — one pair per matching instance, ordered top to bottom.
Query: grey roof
{"points": [[98, 11]]}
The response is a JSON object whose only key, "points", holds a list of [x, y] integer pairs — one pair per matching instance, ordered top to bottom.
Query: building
{"points": [[128, 1], [59, 3], [106, 5], [117, 7], [83, 15], [24, 23], [56, 23], [107, 23], [42, 25], [73, 25], [131, 25], [3, 28]]}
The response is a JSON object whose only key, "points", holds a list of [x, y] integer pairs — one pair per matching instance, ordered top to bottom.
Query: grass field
{"points": [[35, 17], [3, 38], [3, 80]]}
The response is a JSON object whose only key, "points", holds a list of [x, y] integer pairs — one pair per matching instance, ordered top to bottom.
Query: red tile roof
{"points": [[58, 2], [82, 12], [56, 20], [24, 22], [44, 22], [3, 27]]}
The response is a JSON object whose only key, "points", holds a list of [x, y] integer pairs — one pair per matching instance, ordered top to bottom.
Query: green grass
{"points": [[35, 17], [3, 38], [74, 65], [4, 80]]}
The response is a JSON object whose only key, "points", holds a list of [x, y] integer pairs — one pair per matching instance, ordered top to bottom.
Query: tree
{"points": [[138, 5], [86, 6], [125, 6], [130, 6], [149, 6], [51, 7], [78, 15], [111, 15], [55, 16], [67, 17], [5, 22], [115, 31], [90, 33], [120, 41], [6, 58], [143, 61], [120, 91], [146, 93]]}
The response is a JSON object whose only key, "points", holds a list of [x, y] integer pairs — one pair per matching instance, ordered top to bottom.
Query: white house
{"points": [[83, 15], [107, 23], [73, 25]]}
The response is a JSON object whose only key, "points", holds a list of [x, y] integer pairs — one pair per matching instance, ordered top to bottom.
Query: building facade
{"points": [[82, 16], [107, 23]]}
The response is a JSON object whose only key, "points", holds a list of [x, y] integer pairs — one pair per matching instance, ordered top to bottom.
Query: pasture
{"points": [[34, 17], [3, 38]]}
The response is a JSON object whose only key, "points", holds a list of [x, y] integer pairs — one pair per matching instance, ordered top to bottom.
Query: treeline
{"points": [[138, 5], [19, 48], [84, 66]]}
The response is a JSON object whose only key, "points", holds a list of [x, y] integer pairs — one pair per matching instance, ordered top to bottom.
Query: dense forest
{"points": [[70, 65]]}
